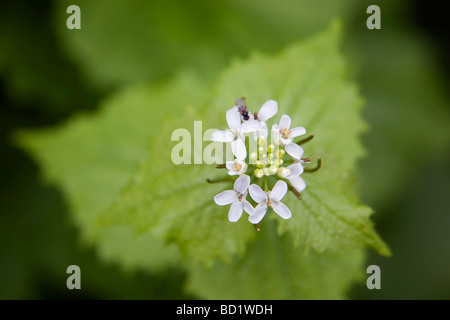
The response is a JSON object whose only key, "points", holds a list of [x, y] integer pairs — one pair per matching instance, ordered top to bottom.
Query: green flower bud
{"points": [[262, 141], [261, 150], [280, 153], [253, 157], [278, 162], [259, 164], [273, 169], [258, 173]]}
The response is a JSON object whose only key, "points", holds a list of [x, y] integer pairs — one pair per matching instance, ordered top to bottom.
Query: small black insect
{"points": [[242, 108]]}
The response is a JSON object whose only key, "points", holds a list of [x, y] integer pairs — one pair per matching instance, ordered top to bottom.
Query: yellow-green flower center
{"points": [[285, 133], [267, 160], [237, 167]]}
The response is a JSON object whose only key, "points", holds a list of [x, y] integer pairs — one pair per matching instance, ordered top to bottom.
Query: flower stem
{"points": [[303, 141], [303, 159], [318, 166], [225, 179], [266, 188], [298, 195]]}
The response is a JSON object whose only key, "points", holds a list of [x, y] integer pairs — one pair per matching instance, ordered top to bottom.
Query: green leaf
{"points": [[308, 80], [309, 83], [94, 156], [95, 160], [175, 203], [38, 243], [274, 269]]}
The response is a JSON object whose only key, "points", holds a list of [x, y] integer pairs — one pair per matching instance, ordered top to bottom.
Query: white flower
{"points": [[267, 111], [283, 134], [236, 136], [295, 151], [236, 167], [292, 173], [298, 183], [237, 199], [269, 199]]}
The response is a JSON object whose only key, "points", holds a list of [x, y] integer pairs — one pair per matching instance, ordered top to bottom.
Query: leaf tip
{"points": [[336, 26], [385, 251]]}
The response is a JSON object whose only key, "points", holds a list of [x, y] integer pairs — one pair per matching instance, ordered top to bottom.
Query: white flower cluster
{"points": [[265, 161]]}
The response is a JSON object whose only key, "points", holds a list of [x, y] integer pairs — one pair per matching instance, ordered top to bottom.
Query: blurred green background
{"points": [[49, 74]]}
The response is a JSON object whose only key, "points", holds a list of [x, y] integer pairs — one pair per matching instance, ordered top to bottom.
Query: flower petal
{"points": [[268, 110], [234, 119], [285, 122], [251, 126], [262, 132], [295, 132], [222, 136], [276, 136], [284, 141], [238, 148], [294, 150], [230, 165], [243, 167], [295, 170], [284, 172], [298, 183], [241, 184], [278, 191], [257, 193], [225, 197], [248, 208], [281, 209], [235, 211], [260, 212]]}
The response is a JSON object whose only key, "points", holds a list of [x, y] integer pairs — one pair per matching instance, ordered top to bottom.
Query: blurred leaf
{"points": [[129, 41], [37, 76], [408, 111], [92, 158], [174, 203], [416, 226], [38, 243], [274, 269]]}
